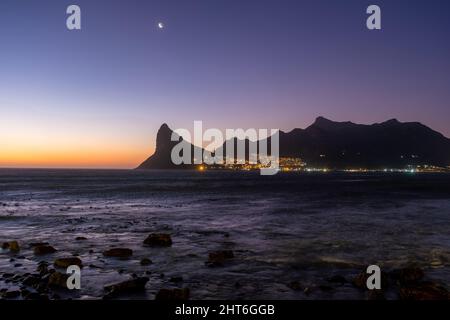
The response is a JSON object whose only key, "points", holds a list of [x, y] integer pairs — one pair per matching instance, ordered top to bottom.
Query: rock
{"points": [[80, 238], [158, 240], [13, 246], [41, 250], [118, 253], [218, 258], [66, 262], [146, 262], [42, 269], [408, 275], [58, 279], [176, 279], [337, 279], [31, 280], [133, 285], [295, 285], [325, 288], [424, 291], [25, 292], [11, 294], [173, 294], [31, 296]]}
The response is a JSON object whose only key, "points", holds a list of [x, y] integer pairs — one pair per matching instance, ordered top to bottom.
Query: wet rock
{"points": [[80, 238], [158, 240], [13, 246], [41, 250], [118, 253], [218, 258], [66, 262], [146, 262], [17, 265], [42, 268], [8, 275], [408, 275], [17, 277], [58, 279], [176, 279], [337, 279], [31, 280], [133, 285], [295, 285], [42, 288], [325, 288], [424, 291], [25, 292], [12, 294], [173, 294], [32, 296]]}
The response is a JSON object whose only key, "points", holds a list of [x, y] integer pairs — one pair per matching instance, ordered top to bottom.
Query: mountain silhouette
{"points": [[340, 145], [161, 159]]}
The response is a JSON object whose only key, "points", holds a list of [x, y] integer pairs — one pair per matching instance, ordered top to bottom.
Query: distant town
{"points": [[298, 165]]}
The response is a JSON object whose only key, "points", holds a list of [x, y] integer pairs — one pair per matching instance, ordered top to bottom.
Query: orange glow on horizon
{"points": [[88, 158]]}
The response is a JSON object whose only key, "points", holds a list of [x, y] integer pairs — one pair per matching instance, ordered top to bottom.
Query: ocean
{"points": [[290, 233]]}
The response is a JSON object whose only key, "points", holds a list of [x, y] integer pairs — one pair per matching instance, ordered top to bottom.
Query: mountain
{"points": [[326, 143], [346, 144], [161, 159]]}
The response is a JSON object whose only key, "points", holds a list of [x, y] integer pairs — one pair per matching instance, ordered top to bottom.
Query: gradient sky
{"points": [[96, 97]]}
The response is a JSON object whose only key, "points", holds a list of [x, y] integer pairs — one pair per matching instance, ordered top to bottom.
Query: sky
{"points": [[95, 98]]}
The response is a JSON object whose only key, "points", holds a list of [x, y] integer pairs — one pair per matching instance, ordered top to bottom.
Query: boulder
{"points": [[158, 240], [13, 246], [44, 249], [118, 253], [218, 258], [66, 262], [146, 262], [408, 275], [58, 279], [337, 279], [133, 285], [295, 285], [424, 291], [12, 294], [173, 294]]}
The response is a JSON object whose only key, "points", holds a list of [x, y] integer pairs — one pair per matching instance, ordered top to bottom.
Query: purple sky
{"points": [[230, 63]]}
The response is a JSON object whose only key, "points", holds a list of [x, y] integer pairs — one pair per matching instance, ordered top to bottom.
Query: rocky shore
{"points": [[49, 281]]}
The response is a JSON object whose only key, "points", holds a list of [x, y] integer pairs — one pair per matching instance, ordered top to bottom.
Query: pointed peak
{"points": [[321, 119], [392, 121], [326, 124], [164, 126], [164, 133]]}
